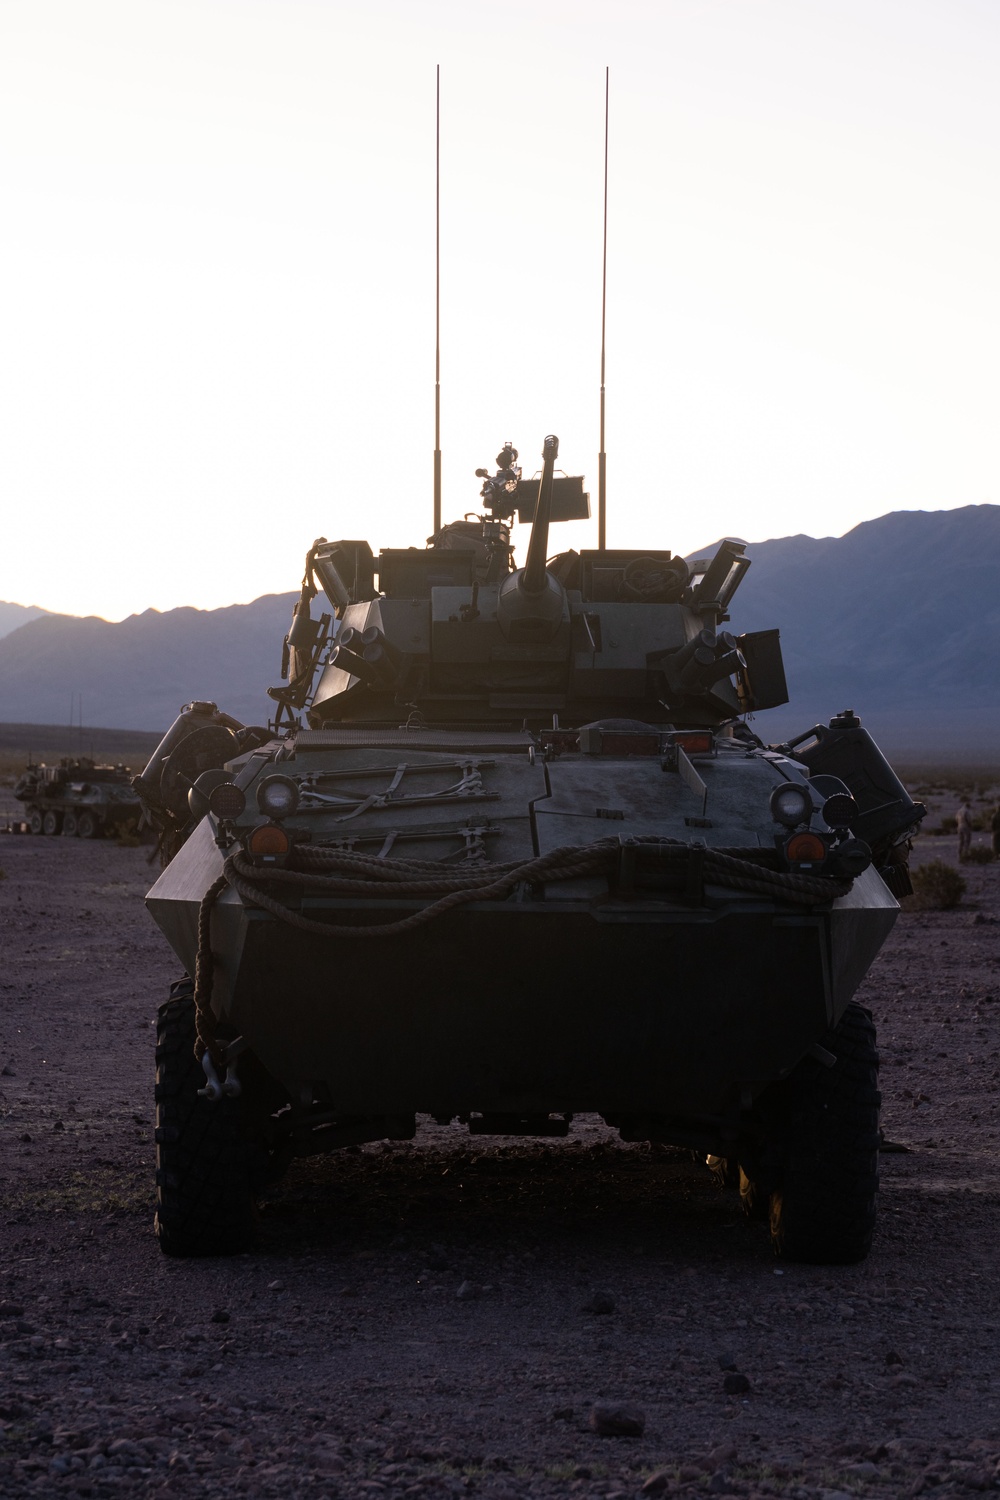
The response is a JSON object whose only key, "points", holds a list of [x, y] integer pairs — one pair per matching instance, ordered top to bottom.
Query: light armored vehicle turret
{"points": [[510, 852]]}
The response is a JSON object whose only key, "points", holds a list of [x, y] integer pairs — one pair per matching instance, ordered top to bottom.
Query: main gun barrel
{"points": [[533, 577]]}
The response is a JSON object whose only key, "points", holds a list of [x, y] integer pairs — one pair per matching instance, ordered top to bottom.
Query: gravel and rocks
{"points": [[451, 1317]]}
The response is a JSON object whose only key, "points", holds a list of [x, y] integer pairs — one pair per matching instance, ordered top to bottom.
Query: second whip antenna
{"points": [[437, 309], [602, 475]]}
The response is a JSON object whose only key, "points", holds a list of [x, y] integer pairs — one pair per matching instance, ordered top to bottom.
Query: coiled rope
{"points": [[321, 871]]}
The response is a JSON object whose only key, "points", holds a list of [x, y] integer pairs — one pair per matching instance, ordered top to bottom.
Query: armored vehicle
{"points": [[77, 798], [511, 851]]}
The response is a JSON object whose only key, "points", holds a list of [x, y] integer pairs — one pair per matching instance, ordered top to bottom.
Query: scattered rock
{"points": [[469, 1291], [601, 1304], [220, 1316], [892, 1358], [727, 1362], [735, 1384], [617, 1420], [720, 1457], [328, 1462], [657, 1483]]}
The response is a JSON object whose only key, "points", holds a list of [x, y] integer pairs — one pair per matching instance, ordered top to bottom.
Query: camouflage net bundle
{"points": [[318, 871]]}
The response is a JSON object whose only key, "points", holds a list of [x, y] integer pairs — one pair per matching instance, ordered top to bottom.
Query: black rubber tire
{"points": [[35, 822], [51, 823], [87, 825], [70, 827], [204, 1164], [725, 1170], [754, 1198], [823, 1210]]}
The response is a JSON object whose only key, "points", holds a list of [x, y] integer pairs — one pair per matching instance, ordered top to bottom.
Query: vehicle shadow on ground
{"points": [[604, 1198]]}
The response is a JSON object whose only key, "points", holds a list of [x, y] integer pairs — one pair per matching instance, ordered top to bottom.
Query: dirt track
{"points": [[342, 1359]]}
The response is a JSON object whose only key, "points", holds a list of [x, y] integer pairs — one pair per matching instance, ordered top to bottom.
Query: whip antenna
{"points": [[437, 311], [602, 476]]}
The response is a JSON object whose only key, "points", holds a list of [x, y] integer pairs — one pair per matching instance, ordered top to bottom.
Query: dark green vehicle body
{"points": [[471, 717], [77, 798]]}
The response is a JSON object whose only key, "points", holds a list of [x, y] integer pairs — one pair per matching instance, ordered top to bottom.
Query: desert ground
{"points": [[445, 1317]]}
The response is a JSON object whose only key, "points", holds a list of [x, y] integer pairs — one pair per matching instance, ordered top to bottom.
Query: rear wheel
{"points": [[35, 822], [51, 823], [87, 825], [70, 828], [204, 1164], [725, 1170], [755, 1198], [822, 1209]]}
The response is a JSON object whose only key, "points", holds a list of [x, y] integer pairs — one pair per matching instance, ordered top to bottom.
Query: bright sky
{"points": [[217, 274]]}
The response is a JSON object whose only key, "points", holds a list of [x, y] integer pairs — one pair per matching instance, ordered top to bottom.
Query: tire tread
{"points": [[204, 1193], [823, 1210]]}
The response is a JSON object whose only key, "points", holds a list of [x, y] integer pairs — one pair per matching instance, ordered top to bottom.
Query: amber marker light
{"points": [[268, 841], [805, 849]]}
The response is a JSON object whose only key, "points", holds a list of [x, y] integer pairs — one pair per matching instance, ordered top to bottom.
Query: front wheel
{"points": [[35, 822], [51, 823], [70, 827], [204, 1179], [822, 1209]]}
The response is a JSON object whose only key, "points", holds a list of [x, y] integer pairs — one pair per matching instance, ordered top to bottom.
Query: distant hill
{"points": [[12, 616], [899, 619], [136, 674], [21, 743]]}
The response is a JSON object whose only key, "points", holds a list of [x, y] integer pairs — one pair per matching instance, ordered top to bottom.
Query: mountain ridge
{"points": [[13, 616], [899, 618]]}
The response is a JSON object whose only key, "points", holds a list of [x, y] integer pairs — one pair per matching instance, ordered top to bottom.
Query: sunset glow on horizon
{"points": [[218, 274]]}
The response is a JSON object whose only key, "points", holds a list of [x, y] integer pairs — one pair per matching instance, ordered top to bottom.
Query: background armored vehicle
{"points": [[77, 797], [509, 852]]}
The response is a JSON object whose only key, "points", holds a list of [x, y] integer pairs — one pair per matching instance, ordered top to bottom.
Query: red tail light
{"points": [[694, 741]]}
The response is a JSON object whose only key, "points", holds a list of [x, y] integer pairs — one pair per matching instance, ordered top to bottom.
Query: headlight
{"points": [[277, 796], [226, 800], [791, 804], [839, 810]]}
